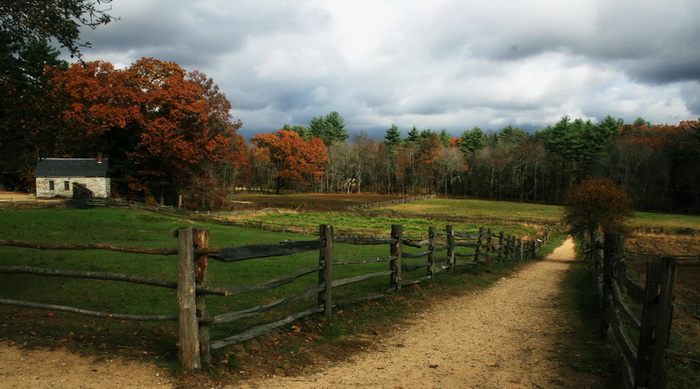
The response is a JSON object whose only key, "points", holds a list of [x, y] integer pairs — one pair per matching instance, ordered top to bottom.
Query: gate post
{"points": [[449, 230], [201, 241], [396, 251], [431, 253], [325, 276], [663, 323], [188, 331]]}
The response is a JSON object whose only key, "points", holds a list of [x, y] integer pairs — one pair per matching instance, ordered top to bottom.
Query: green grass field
{"points": [[479, 209], [512, 210], [369, 225], [129, 228]]}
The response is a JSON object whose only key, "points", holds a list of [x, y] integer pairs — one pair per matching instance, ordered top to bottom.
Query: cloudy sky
{"points": [[433, 64]]}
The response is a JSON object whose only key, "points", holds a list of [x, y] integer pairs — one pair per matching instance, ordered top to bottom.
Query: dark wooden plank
{"points": [[466, 235], [362, 240], [410, 243], [466, 244], [94, 246], [441, 247], [241, 253], [415, 255], [364, 261], [414, 266], [103, 276], [364, 277], [267, 285], [633, 290], [359, 300], [622, 306], [254, 311], [85, 312], [262, 329], [622, 339]]}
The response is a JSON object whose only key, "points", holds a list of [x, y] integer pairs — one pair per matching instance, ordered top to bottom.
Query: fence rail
{"points": [[193, 255]]}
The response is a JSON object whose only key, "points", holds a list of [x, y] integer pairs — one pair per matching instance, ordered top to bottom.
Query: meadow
{"points": [[144, 229], [156, 340]]}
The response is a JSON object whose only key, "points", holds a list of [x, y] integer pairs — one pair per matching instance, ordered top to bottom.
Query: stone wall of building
{"points": [[63, 186]]}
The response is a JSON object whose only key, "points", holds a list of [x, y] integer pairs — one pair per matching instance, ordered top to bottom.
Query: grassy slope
{"points": [[479, 208], [506, 209], [145, 229]]}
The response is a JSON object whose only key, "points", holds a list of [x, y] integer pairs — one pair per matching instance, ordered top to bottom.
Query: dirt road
{"points": [[506, 336]]}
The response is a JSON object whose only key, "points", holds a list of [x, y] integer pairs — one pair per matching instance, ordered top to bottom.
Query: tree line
{"points": [[170, 137]]}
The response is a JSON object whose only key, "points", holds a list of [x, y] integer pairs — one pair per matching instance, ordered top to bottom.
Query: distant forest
{"points": [[170, 137]]}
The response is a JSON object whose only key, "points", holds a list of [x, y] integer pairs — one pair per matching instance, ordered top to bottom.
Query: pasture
{"points": [[130, 228], [155, 340]]}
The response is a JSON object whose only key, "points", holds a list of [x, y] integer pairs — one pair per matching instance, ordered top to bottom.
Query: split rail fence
{"points": [[442, 251], [642, 341]]}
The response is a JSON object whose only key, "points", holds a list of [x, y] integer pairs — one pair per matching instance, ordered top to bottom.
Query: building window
{"points": [[51, 185], [66, 185]]}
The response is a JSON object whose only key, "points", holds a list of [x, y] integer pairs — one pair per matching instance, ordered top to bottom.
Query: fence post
{"points": [[449, 230], [501, 238], [201, 241], [519, 245], [489, 248], [477, 250], [396, 251], [613, 251], [431, 253], [325, 276], [650, 310], [662, 326], [188, 332]]}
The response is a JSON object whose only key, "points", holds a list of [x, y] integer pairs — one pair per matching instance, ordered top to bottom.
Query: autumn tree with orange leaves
{"points": [[162, 128], [296, 161], [597, 203]]}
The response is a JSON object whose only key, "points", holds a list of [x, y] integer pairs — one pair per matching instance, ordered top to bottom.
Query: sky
{"points": [[432, 64]]}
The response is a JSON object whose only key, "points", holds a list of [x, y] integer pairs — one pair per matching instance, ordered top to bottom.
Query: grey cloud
{"points": [[453, 64]]}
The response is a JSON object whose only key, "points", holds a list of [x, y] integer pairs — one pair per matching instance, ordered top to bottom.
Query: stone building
{"points": [[68, 177]]}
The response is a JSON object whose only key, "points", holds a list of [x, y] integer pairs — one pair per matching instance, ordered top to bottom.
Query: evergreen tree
{"points": [[330, 129], [413, 135], [392, 138], [445, 138], [472, 140]]}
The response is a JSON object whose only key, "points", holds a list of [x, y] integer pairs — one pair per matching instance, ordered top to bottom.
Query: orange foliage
{"points": [[175, 123], [656, 136], [296, 160], [597, 203]]}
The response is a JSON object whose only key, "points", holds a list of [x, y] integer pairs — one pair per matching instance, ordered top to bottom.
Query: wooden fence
{"points": [[391, 202], [442, 251], [642, 341]]}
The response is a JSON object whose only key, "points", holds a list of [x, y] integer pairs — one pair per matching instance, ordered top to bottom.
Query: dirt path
{"points": [[506, 336]]}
